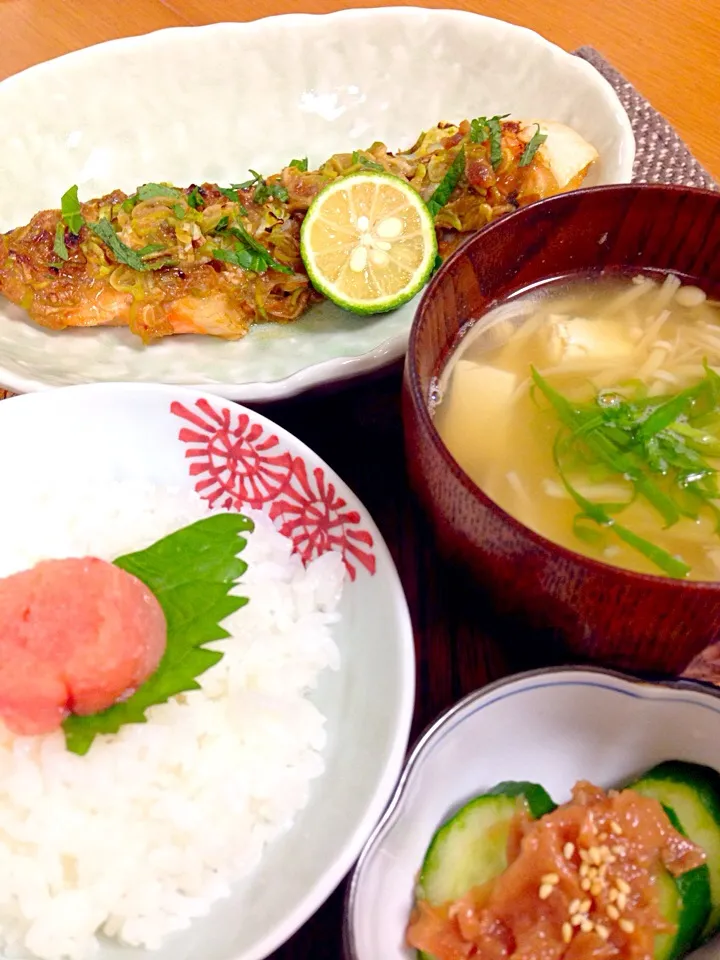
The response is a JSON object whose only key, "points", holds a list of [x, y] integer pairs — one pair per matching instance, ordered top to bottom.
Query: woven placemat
{"points": [[661, 156]]}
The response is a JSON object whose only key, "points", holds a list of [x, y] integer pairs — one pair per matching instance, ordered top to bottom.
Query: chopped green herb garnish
{"points": [[494, 125], [489, 128], [479, 131], [535, 142], [366, 162], [301, 165], [257, 179], [444, 189], [148, 191], [264, 191], [231, 193], [196, 199], [128, 204], [70, 210], [179, 211], [221, 224], [105, 231], [241, 233], [59, 246], [256, 247], [249, 253], [124, 254], [242, 257], [657, 445], [599, 515], [191, 572]]}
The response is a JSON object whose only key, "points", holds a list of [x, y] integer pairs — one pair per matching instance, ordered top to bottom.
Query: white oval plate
{"points": [[206, 103], [183, 439], [551, 726]]}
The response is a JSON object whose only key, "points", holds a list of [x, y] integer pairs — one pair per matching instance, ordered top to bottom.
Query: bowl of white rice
{"points": [[216, 828]]}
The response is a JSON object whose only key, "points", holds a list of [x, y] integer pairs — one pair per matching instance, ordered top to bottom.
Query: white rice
{"points": [[152, 826]]}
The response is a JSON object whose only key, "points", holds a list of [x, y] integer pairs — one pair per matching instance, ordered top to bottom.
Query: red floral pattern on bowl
{"points": [[238, 464]]}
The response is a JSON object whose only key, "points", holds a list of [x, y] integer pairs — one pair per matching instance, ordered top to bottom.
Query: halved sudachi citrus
{"points": [[368, 242]]}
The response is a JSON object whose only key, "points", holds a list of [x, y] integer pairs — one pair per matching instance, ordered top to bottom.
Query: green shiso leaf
{"points": [[191, 572]]}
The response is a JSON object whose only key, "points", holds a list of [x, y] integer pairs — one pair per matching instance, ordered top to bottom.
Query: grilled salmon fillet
{"points": [[214, 260]]}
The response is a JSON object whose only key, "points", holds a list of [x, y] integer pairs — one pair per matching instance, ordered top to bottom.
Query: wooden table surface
{"points": [[668, 49]]}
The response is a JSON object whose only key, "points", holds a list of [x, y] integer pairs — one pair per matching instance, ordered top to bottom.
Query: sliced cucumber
{"points": [[693, 793], [471, 848], [684, 902]]}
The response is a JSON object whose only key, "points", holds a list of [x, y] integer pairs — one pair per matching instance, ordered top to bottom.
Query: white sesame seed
{"points": [[616, 828], [568, 850], [595, 855], [552, 878], [585, 884], [622, 885], [597, 888], [545, 890], [621, 901], [574, 906], [585, 906], [613, 912], [577, 919], [587, 926], [627, 926], [602, 931], [566, 932]]}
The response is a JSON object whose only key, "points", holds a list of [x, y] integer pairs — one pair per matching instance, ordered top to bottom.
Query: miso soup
{"points": [[591, 413]]}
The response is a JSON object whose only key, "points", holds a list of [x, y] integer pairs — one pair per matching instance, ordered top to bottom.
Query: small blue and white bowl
{"points": [[553, 727]]}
